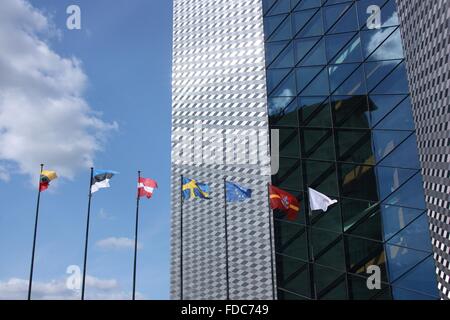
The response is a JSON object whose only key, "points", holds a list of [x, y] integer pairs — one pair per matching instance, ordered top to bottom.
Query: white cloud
{"points": [[391, 48], [44, 117], [103, 214], [117, 243], [102, 284], [97, 289]]}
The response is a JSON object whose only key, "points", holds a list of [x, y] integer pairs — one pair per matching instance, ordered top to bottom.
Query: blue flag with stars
{"points": [[237, 193]]}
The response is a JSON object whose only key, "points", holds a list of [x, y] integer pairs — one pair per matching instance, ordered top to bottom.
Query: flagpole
{"points": [[87, 235], [136, 237], [226, 237], [181, 240], [271, 245], [30, 282]]}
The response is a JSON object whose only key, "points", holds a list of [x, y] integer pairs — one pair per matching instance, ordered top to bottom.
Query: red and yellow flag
{"points": [[46, 177], [284, 201]]}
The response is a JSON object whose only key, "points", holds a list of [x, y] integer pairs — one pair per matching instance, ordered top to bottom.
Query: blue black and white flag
{"points": [[100, 179], [237, 193]]}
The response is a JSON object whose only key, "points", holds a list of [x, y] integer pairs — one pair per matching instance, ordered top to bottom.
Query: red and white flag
{"points": [[146, 187]]}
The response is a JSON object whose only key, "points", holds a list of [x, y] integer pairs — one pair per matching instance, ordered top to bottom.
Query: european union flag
{"points": [[193, 189], [236, 193]]}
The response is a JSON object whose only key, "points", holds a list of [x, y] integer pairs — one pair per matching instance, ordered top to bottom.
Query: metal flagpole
{"points": [[87, 235], [136, 237], [226, 238], [181, 240], [271, 244], [30, 283]]}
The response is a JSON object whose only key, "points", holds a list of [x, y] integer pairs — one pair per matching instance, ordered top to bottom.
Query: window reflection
{"points": [[339, 95]]}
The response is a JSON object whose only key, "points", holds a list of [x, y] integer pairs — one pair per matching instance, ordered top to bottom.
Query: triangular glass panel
{"points": [[267, 5], [281, 6], [332, 14], [300, 19], [348, 22], [272, 23], [313, 28], [283, 32], [372, 39], [336, 43], [303, 47], [273, 49], [390, 49], [350, 53], [316, 56], [285, 59], [377, 71], [339, 73], [305, 75], [274, 77], [312, 81], [395, 83], [353, 85], [286, 88], [381, 105], [278, 107], [315, 112], [350, 112], [289, 115], [401, 118], [384, 142], [318, 144], [405, 156], [390, 179], [409, 195], [396, 218], [330, 221], [368, 227], [416, 235], [401, 260], [421, 279], [339, 292]]}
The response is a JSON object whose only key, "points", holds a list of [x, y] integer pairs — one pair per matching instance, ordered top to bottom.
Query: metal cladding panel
{"points": [[426, 38], [219, 99]]}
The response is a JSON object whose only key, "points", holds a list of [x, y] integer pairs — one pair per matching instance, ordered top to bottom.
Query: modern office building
{"points": [[426, 38], [330, 79]]}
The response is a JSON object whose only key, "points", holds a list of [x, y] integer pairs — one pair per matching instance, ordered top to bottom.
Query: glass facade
{"points": [[338, 93]]}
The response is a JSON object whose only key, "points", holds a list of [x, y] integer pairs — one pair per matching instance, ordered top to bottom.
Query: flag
{"points": [[46, 177], [100, 179], [146, 187], [193, 189], [237, 193], [284, 201], [319, 201]]}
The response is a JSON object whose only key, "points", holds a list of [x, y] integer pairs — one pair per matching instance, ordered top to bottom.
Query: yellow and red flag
{"points": [[46, 177], [284, 201]]}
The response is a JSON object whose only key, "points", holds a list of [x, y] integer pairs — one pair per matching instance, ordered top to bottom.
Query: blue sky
{"points": [[124, 52]]}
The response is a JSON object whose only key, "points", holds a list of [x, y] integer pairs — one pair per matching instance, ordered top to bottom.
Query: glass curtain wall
{"points": [[339, 95]]}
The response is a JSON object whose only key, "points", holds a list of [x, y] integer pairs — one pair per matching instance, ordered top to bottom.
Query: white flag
{"points": [[100, 185], [319, 201]]}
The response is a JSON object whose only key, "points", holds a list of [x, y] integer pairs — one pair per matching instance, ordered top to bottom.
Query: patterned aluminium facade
{"points": [[426, 38], [219, 91], [337, 92]]}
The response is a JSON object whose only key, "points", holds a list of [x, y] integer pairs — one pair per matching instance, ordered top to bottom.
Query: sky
{"points": [[72, 99]]}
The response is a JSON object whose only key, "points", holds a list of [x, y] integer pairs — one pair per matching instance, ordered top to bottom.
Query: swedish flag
{"points": [[193, 189]]}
